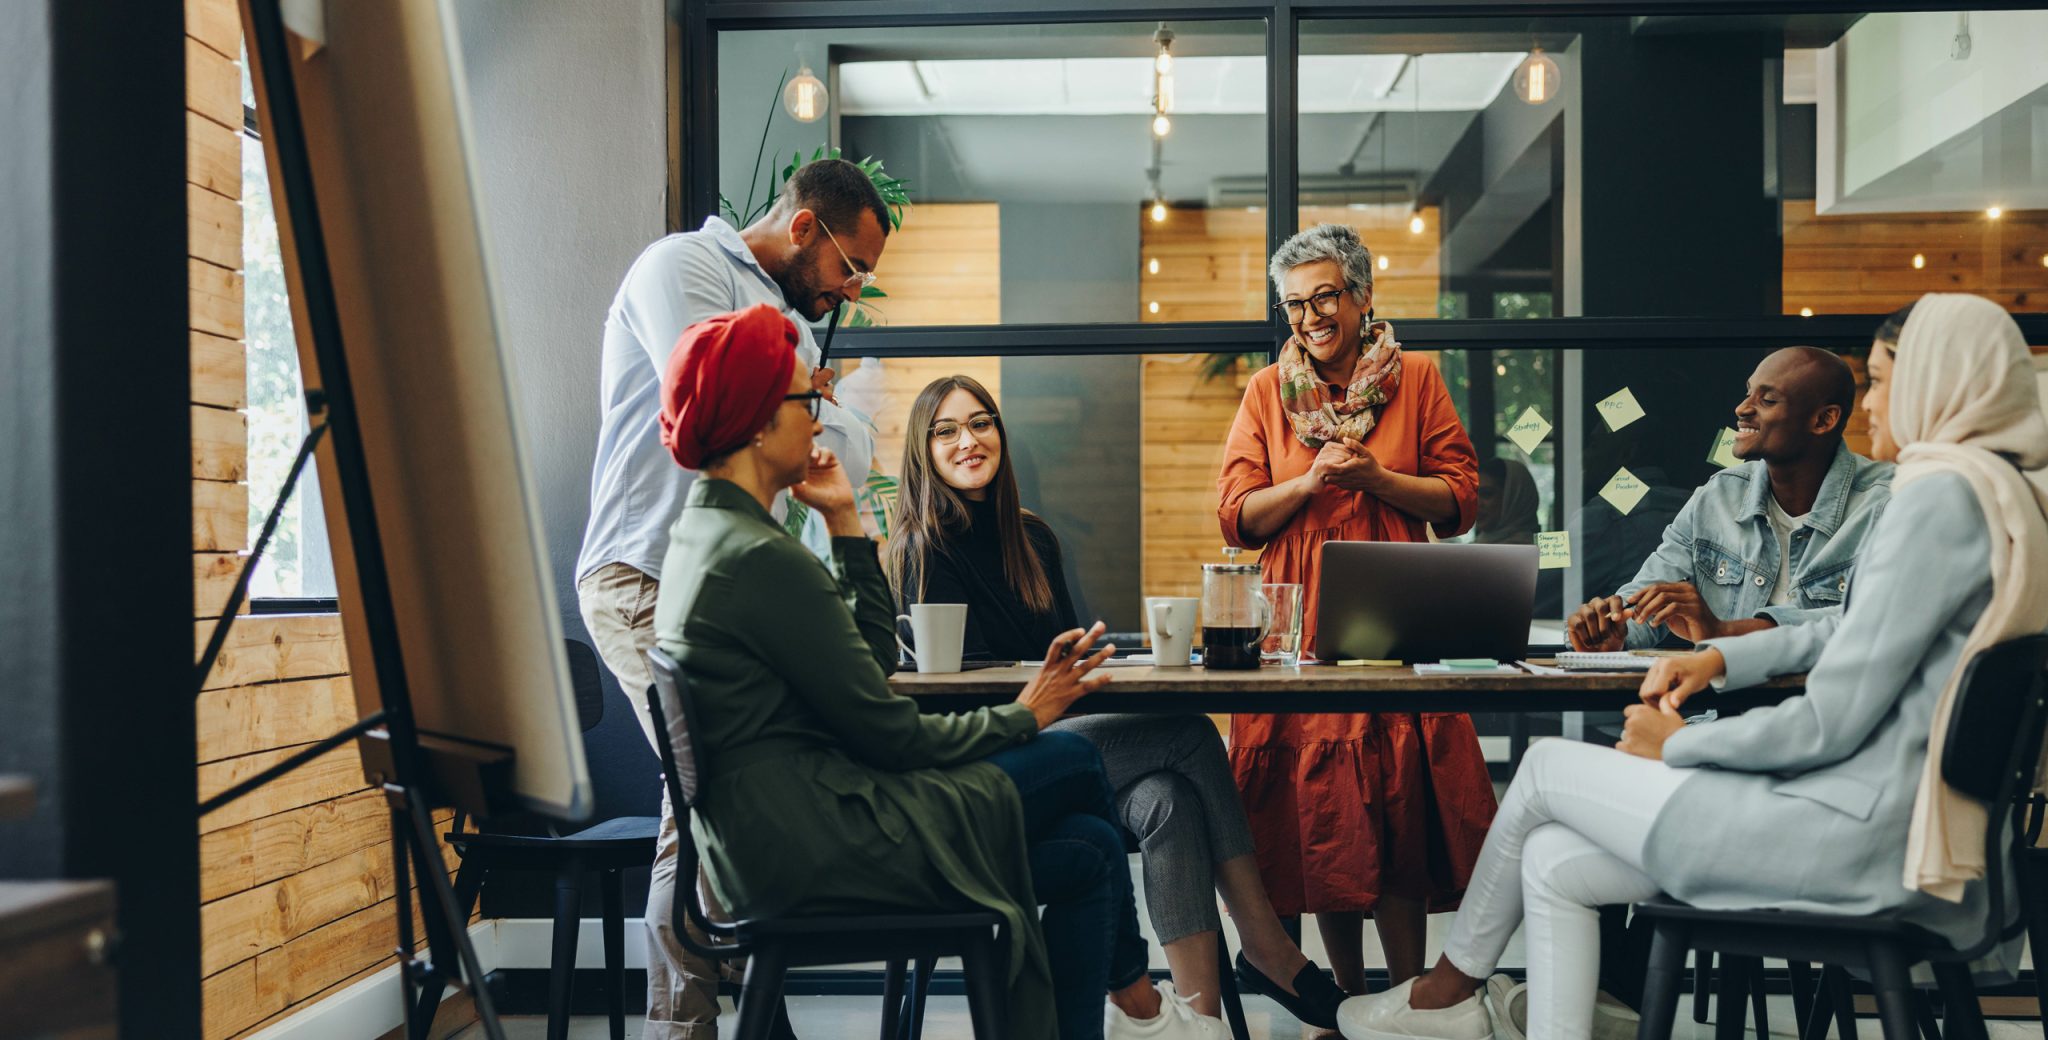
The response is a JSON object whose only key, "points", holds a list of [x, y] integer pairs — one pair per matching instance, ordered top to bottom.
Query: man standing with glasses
{"points": [[815, 249]]}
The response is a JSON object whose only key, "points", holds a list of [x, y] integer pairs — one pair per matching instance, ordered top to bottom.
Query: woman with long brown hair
{"points": [[961, 535]]}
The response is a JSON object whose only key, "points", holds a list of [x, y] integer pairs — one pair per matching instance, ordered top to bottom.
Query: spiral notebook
{"points": [[1620, 661]]}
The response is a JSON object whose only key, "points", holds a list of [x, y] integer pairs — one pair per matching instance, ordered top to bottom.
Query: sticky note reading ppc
{"points": [[1620, 409], [1529, 431], [1722, 454], [1624, 491], [1553, 550]]}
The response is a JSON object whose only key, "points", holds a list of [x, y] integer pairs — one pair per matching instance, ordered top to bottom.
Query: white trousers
{"points": [[1568, 838]]}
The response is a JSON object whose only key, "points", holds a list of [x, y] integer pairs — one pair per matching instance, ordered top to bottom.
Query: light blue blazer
{"points": [[1805, 805]]}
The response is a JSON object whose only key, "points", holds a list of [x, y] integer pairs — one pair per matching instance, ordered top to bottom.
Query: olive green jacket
{"points": [[824, 792]]}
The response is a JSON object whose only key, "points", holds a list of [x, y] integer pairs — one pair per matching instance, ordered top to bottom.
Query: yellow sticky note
{"points": [[1620, 409], [1529, 431], [1722, 454], [1624, 491], [1553, 550]]}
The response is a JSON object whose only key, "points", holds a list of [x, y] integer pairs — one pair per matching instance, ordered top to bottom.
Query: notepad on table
{"points": [[1618, 661]]}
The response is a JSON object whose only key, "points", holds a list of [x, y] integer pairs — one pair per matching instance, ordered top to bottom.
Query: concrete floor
{"points": [[857, 1018]]}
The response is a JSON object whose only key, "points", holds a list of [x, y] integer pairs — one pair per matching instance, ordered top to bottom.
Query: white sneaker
{"points": [[1509, 1002], [1387, 1016], [1177, 1020]]}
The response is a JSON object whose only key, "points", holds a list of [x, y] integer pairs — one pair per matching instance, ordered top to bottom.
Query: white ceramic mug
{"points": [[1170, 620], [937, 629]]}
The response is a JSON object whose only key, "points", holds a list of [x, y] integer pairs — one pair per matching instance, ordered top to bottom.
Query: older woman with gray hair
{"points": [[1348, 438]]}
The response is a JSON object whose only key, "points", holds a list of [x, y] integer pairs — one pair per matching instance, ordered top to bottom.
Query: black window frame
{"points": [[695, 68]]}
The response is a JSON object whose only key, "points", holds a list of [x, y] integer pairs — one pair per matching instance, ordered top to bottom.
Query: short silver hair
{"points": [[1324, 242]]}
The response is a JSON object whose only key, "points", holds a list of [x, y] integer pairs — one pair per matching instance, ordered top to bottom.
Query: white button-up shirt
{"points": [[636, 488]]}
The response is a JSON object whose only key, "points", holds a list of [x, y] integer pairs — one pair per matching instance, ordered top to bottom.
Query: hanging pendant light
{"points": [[1537, 79], [805, 97]]}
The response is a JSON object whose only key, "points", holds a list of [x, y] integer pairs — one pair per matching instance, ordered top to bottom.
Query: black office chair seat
{"points": [[630, 836], [1796, 922]]}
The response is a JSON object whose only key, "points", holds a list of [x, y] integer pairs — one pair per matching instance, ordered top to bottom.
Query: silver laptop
{"points": [[1420, 601]]}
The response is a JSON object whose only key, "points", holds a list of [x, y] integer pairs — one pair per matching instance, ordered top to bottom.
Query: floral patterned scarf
{"points": [[1318, 420]]}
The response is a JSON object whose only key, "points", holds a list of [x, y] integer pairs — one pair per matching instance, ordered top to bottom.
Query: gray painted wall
{"points": [[570, 120]]}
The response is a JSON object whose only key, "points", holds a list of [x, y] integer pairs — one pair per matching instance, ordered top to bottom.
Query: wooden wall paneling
{"points": [[217, 24], [213, 84], [213, 156], [214, 226], [1863, 263], [943, 266], [216, 299], [220, 371], [220, 444], [220, 516], [213, 577], [269, 648], [245, 720], [332, 775], [245, 855], [248, 923]]}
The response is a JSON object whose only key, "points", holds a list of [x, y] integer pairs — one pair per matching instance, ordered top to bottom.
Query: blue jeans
{"points": [[1082, 875]]}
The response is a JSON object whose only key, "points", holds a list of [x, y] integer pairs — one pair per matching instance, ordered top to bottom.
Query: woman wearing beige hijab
{"points": [[1841, 782]]}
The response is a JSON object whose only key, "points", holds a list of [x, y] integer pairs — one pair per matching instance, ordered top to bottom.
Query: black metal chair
{"points": [[1989, 752], [624, 781], [772, 946]]}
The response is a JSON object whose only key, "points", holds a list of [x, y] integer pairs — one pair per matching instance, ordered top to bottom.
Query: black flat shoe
{"points": [[1314, 1000]]}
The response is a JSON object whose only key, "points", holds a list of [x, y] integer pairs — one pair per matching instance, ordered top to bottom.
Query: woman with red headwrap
{"points": [[817, 767]]}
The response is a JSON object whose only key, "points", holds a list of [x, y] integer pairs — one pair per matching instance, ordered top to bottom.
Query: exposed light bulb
{"points": [[1163, 63], [1537, 79], [805, 97], [1161, 125], [1158, 212], [1994, 212], [1415, 224], [2044, 259], [1383, 261], [1919, 261], [1152, 266], [1153, 306], [1806, 312], [1500, 370]]}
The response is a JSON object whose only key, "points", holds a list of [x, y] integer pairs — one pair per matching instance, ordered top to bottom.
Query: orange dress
{"points": [[1346, 807]]}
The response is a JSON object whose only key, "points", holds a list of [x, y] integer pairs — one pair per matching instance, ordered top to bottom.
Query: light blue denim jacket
{"points": [[1722, 543]]}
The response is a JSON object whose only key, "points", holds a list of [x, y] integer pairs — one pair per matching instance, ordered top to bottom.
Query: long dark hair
{"points": [[928, 509]]}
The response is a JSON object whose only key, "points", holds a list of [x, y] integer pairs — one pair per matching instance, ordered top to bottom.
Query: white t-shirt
{"points": [[1783, 524]]}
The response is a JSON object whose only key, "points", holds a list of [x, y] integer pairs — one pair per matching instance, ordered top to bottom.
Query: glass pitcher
{"points": [[1235, 614]]}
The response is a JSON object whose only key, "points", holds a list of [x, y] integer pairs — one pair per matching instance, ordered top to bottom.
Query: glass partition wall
{"points": [[1599, 224]]}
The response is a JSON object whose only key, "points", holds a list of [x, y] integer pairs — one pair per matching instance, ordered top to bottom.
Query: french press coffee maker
{"points": [[1235, 614]]}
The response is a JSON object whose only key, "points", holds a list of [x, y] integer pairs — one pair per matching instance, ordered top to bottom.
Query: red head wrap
{"points": [[724, 381]]}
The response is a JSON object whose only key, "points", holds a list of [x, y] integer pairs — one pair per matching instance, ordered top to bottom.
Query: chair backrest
{"points": [[675, 729], [1991, 751], [682, 770], [624, 771]]}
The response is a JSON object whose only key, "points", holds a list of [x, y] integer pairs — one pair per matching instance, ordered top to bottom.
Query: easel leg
{"points": [[446, 920]]}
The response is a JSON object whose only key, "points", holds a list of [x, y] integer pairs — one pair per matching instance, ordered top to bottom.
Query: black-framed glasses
{"points": [[1325, 304], [813, 401], [948, 431]]}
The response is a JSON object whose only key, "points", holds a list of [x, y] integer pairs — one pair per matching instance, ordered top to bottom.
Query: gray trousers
{"points": [[1175, 791]]}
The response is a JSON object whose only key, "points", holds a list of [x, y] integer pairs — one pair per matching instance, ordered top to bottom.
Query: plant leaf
{"points": [[872, 293]]}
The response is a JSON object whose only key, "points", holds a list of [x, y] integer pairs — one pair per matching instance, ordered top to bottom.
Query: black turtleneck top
{"points": [[968, 568]]}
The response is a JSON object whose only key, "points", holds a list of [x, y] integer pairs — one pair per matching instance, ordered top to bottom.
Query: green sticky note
{"points": [[1620, 409], [1529, 431], [1722, 454], [1624, 491], [1553, 550], [1469, 662]]}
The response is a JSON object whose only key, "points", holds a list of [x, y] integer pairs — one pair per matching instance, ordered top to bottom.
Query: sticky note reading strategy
{"points": [[1620, 409], [1529, 431], [1722, 454], [1624, 491], [1553, 550]]}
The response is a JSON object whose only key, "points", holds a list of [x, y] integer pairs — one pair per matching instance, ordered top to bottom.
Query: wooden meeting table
{"points": [[1319, 688]]}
